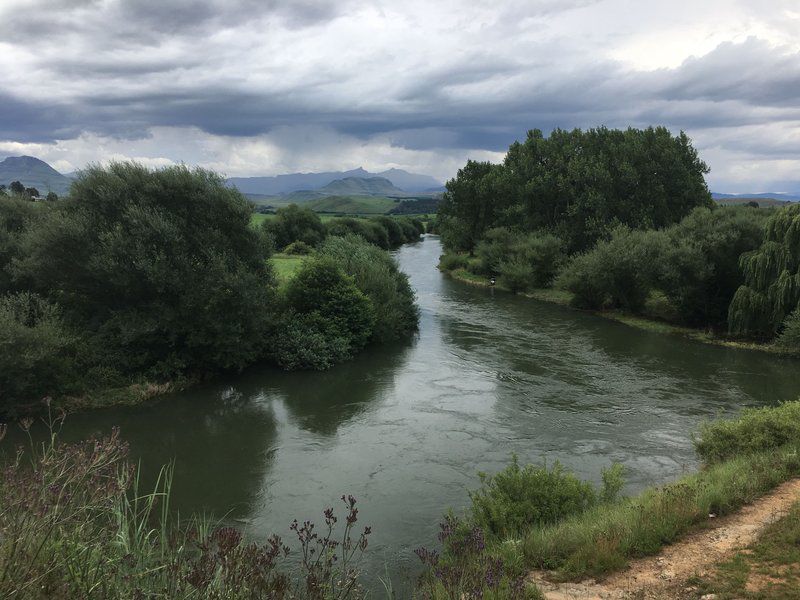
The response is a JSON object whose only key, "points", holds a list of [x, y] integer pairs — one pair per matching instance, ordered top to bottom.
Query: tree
{"points": [[17, 188], [32, 192], [51, 196], [467, 207], [295, 224], [160, 270], [772, 278]]}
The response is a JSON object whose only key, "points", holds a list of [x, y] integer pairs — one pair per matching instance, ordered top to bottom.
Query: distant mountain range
{"points": [[32, 172], [403, 181], [762, 195]]}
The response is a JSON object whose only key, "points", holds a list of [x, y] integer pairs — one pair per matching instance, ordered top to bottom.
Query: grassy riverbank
{"points": [[653, 320], [533, 518]]}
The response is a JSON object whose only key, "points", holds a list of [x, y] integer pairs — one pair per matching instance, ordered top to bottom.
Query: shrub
{"points": [[16, 216], [295, 224], [371, 231], [394, 231], [410, 231], [298, 248], [523, 261], [451, 262], [701, 267], [375, 273], [618, 273], [328, 304], [789, 339], [307, 341], [36, 351], [754, 430], [517, 498]]}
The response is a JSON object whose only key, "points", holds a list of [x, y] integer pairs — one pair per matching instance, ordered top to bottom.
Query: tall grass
{"points": [[74, 524]]}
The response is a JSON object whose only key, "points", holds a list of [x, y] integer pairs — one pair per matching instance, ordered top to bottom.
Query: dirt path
{"points": [[665, 575]]}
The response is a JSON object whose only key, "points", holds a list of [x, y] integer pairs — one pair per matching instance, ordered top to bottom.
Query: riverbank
{"points": [[645, 323], [645, 545]]}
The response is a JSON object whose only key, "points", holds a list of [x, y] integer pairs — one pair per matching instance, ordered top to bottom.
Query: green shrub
{"points": [[16, 216], [295, 224], [371, 231], [394, 231], [410, 232], [298, 248], [523, 261], [451, 262], [700, 270], [618, 273], [376, 274], [329, 303], [789, 339], [307, 341], [36, 351], [754, 430], [517, 498]]}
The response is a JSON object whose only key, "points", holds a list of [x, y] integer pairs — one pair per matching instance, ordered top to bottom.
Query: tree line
{"points": [[624, 219], [142, 276]]}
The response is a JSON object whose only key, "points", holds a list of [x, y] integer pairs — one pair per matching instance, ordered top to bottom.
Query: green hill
{"points": [[32, 172], [362, 186], [352, 205]]}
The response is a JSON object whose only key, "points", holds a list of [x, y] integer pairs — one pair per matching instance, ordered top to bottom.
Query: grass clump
{"points": [[756, 429]]}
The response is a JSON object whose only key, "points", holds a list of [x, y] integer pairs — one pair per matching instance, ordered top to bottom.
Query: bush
{"points": [[295, 224], [371, 231], [394, 231], [410, 231], [298, 248], [523, 261], [451, 262], [701, 267], [161, 269], [618, 273], [376, 274], [331, 315], [789, 339], [36, 351], [754, 430], [518, 498]]}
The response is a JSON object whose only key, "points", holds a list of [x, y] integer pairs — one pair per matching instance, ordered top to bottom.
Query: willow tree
{"points": [[772, 278]]}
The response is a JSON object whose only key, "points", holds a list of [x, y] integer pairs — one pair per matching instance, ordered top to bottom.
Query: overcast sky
{"points": [[261, 87]]}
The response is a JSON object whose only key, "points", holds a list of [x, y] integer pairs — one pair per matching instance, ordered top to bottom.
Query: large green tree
{"points": [[578, 184], [161, 270]]}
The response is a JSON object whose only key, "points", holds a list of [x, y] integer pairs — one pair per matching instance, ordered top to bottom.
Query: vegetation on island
{"points": [[623, 220], [147, 278]]}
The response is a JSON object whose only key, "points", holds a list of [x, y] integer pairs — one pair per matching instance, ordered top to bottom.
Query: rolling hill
{"points": [[33, 172]]}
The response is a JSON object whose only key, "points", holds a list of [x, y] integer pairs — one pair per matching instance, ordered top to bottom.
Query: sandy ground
{"points": [[665, 575]]}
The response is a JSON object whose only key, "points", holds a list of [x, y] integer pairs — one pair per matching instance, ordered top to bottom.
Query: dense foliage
{"points": [[577, 184], [295, 224], [522, 261], [376, 274], [143, 277], [771, 289]]}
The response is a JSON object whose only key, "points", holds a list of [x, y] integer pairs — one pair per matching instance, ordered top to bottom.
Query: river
{"points": [[406, 429]]}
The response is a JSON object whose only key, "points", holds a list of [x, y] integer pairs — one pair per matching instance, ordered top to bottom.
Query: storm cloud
{"points": [[252, 87]]}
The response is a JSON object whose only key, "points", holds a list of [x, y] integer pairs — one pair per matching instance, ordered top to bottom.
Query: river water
{"points": [[406, 429]]}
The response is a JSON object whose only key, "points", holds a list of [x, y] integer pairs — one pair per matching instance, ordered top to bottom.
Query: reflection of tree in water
{"points": [[568, 359], [321, 401], [219, 439]]}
